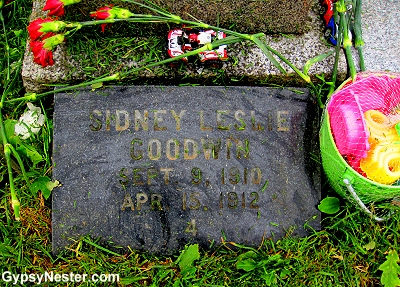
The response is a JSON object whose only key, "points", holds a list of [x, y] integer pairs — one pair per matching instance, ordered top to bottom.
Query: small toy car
{"points": [[183, 40]]}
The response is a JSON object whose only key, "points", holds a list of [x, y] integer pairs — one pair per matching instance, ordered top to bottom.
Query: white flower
{"points": [[30, 122]]}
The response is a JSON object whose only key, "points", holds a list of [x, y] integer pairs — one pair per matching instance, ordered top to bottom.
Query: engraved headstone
{"points": [[155, 168]]}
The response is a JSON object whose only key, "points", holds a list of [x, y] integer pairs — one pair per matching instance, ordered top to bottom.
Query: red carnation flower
{"points": [[56, 7], [110, 12], [103, 14], [41, 27], [35, 28], [42, 50], [41, 55]]}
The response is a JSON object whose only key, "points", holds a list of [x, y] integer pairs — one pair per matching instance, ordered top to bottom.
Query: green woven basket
{"points": [[348, 183]]}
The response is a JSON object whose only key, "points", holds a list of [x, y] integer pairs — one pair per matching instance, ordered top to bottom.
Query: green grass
{"points": [[348, 251]]}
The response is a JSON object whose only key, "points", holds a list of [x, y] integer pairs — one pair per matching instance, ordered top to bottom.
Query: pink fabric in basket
{"points": [[346, 111]]}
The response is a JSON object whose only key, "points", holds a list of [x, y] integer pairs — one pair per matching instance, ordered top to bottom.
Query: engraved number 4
{"points": [[191, 228]]}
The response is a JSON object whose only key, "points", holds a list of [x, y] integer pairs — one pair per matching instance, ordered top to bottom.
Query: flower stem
{"points": [[167, 17], [140, 18], [343, 27], [358, 42], [7, 47], [267, 53], [337, 56], [119, 76], [306, 78], [8, 86], [34, 96], [6, 146], [7, 154], [21, 164]]}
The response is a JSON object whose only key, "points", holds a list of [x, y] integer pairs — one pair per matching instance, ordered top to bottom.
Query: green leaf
{"points": [[17, 32], [314, 60], [96, 85], [9, 131], [30, 152], [3, 170], [52, 184], [45, 185], [329, 205], [369, 246], [6, 251], [248, 254], [187, 257], [246, 261], [247, 265], [391, 270], [284, 273], [270, 278], [177, 283]]}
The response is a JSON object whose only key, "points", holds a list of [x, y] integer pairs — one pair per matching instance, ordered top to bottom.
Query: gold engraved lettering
{"points": [[238, 115], [95, 118], [178, 118], [158, 119], [108, 120], [220, 120], [270, 120], [143, 121], [283, 121], [118, 125], [202, 126], [255, 126], [194, 148], [240, 148], [157, 149], [175, 149], [211, 149], [245, 149], [139, 154], [122, 173], [151, 173], [166, 174], [196, 175], [234, 175], [256, 175], [137, 176], [193, 197], [140, 199], [155, 199], [233, 200], [255, 200], [184, 201], [128, 203], [191, 228]]}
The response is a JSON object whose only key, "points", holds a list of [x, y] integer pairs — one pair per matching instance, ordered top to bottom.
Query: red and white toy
{"points": [[183, 40]]}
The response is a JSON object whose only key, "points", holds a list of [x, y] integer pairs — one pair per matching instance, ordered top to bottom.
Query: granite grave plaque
{"points": [[155, 168]]}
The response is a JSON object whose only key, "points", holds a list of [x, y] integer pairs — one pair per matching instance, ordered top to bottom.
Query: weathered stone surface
{"points": [[268, 16], [381, 22], [246, 64], [155, 168]]}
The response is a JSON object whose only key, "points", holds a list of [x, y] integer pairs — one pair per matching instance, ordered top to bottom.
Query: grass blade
{"points": [[269, 55]]}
